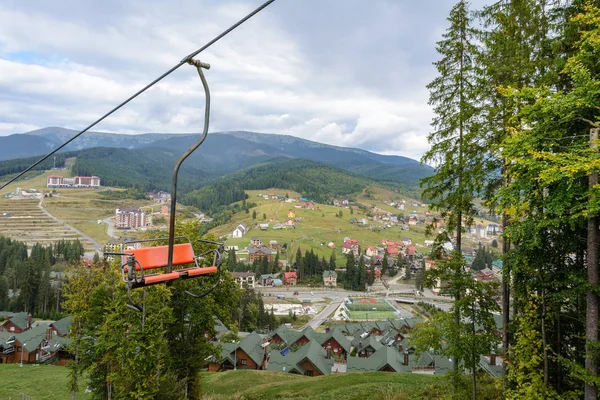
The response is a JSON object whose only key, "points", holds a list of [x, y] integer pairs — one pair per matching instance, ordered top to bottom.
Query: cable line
{"points": [[154, 82]]}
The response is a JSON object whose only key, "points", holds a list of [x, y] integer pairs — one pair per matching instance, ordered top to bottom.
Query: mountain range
{"points": [[148, 158]]}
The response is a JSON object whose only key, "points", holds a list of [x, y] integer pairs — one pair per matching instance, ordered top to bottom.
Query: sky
{"points": [[343, 72]]}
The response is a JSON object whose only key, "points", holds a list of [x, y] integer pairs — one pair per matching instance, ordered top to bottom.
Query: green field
{"points": [[371, 315], [44, 382]]}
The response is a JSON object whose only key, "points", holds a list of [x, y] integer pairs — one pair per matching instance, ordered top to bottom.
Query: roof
{"points": [[264, 250], [242, 274], [326, 274], [288, 275], [266, 276], [20, 320], [62, 325], [220, 327], [338, 337], [32, 338], [370, 340], [57, 343], [251, 345], [311, 352], [384, 357], [442, 364]]}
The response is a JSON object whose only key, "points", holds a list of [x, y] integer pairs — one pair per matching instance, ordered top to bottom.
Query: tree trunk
{"points": [[591, 330]]}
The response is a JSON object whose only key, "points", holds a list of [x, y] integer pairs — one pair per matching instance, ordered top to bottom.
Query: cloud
{"points": [[342, 72]]}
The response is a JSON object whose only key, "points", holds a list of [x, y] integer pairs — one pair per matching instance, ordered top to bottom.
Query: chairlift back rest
{"points": [[158, 257]]}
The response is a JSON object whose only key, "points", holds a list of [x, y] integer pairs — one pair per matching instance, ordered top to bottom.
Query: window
{"points": [[242, 361], [308, 373]]}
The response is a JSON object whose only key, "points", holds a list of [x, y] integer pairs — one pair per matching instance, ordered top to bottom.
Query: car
{"points": [[296, 293]]}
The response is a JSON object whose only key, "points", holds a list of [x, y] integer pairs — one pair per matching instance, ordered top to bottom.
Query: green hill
{"points": [[50, 382]]}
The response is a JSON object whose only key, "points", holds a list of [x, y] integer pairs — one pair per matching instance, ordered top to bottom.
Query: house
{"points": [[309, 205], [298, 206], [164, 209], [291, 214], [127, 218], [394, 218], [412, 220], [290, 223], [279, 226], [263, 227], [240, 231], [406, 241], [255, 242], [273, 244], [331, 245], [351, 247], [392, 250], [411, 250], [372, 251], [255, 253], [290, 278], [330, 278], [244, 279], [267, 280], [17, 323], [61, 327], [335, 343], [27, 344], [366, 346], [249, 353], [385, 359], [309, 360]]}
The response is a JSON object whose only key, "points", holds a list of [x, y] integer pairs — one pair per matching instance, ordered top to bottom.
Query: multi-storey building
{"points": [[58, 181], [127, 218]]}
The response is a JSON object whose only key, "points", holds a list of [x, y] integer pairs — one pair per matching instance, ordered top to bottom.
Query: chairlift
{"points": [[136, 262]]}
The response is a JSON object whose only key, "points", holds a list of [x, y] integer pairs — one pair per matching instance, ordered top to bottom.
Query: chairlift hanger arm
{"points": [[199, 66]]}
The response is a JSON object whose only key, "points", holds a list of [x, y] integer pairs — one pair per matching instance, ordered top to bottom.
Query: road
{"points": [[110, 227], [322, 316]]}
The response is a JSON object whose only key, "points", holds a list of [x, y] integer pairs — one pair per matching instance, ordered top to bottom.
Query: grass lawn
{"points": [[92, 229], [372, 315], [45, 382], [276, 385]]}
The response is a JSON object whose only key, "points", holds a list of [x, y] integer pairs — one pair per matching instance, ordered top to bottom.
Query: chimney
{"points": [[29, 320], [360, 345], [328, 351], [406, 358], [492, 359]]}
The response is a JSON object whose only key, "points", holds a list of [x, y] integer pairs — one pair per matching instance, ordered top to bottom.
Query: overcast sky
{"points": [[343, 72]]}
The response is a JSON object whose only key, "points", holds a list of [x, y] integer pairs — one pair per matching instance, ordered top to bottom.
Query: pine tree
{"points": [[456, 152], [254, 214]]}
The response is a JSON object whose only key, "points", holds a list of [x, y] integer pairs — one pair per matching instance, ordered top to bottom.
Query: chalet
{"points": [[309, 205], [291, 214], [394, 218], [412, 220], [362, 221], [290, 223], [263, 227], [240, 231], [406, 241], [255, 242], [273, 244], [371, 251], [255, 253], [290, 278], [330, 278], [244, 279], [267, 279], [17, 323], [61, 327], [335, 343], [27, 344], [366, 346], [252, 352], [385, 359], [309, 360]]}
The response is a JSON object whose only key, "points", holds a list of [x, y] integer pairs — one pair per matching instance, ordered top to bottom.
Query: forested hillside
{"points": [[316, 181]]}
